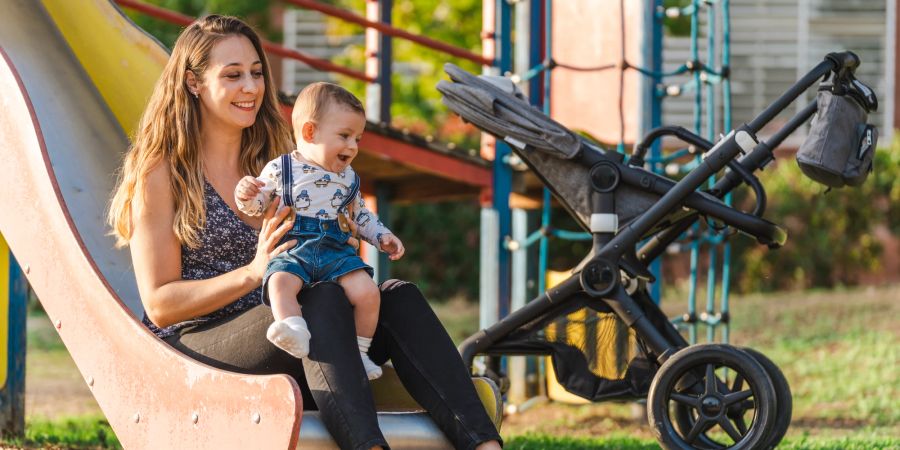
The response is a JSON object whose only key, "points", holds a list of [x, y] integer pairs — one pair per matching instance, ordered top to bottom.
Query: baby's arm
{"points": [[253, 195], [374, 232]]}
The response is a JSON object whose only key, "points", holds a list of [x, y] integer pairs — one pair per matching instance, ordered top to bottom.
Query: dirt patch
{"points": [[54, 387], [54, 399], [590, 420]]}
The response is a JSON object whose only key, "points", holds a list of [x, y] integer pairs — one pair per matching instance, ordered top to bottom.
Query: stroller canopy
{"points": [[494, 104]]}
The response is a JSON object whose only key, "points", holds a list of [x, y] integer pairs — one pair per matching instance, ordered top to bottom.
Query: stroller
{"points": [[698, 396]]}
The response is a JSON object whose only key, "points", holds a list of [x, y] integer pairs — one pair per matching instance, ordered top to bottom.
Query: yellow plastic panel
{"points": [[120, 59], [4, 311], [555, 391]]}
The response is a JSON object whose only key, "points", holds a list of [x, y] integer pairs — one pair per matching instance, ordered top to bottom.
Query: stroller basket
{"points": [[594, 354]]}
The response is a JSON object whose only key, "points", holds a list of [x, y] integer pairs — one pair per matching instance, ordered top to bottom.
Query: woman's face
{"points": [[233, 86]]}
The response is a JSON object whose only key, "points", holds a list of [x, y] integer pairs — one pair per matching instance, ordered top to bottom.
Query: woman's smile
{"points": [[245, 106]]}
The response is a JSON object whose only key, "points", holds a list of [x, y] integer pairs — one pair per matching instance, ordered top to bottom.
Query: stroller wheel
{"points": [[712, 396], [783, 398], [685, 417]]}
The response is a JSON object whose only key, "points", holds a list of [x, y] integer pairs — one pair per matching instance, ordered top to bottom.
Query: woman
{"points": [[211, 120]]}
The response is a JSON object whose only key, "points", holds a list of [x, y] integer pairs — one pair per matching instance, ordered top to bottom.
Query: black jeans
{"points": [[332, 376]]}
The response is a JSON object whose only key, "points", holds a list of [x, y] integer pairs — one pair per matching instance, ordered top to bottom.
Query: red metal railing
{"points": [[391, 31], [271, 47]]}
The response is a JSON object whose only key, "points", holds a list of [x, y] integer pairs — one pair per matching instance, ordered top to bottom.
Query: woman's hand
{"points": [[276, 222]]}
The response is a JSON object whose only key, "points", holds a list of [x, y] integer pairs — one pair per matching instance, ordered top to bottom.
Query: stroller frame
{"points": [[615, 271]]}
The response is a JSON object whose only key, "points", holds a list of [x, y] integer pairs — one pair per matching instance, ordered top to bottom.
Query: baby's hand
{"points": [[247, 189], [392, 245]]}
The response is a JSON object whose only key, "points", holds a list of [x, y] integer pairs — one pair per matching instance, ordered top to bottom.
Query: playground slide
{"points": [[73, 76]]}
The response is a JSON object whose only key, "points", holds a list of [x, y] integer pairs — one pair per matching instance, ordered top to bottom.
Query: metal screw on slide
{"points": [[58, 324], [90, 381], [137, 417], [195, 417], [255, 417]]}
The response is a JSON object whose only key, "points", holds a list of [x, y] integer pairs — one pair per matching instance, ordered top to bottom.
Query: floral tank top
{"points": [[226, 243]]}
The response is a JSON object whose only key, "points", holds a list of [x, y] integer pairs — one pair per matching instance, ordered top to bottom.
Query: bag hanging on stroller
{"points": [[840, 146]]}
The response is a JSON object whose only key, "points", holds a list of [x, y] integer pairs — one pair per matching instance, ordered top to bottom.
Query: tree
{"points": [[255, 12], [417, 69]]}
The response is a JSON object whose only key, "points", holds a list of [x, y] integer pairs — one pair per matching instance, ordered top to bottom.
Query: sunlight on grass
{"points": [[85, 432], [540, 442]]}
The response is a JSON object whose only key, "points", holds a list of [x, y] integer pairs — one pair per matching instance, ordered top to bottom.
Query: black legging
{"points": [[408, 333]]}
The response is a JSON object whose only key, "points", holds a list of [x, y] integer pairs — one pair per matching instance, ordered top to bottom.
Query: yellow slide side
{"points": [[122, 61]]}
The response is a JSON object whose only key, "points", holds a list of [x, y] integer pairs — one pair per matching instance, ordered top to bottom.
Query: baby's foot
{"points": [[290, 335], [373, 371]]}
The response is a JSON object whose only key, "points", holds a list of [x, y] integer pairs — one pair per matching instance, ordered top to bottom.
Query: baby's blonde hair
{"points": [[315, 99]]}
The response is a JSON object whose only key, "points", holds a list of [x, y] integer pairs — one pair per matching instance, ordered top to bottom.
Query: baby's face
{"points": [[336, 139]]}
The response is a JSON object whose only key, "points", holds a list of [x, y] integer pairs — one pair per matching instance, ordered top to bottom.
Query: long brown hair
{"points": [[169, 132]]}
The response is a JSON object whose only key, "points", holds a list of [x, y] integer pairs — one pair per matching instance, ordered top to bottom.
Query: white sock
{"points": [[291, 335], [372, 369]]}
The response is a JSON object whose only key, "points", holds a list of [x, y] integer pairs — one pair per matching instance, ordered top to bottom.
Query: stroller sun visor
{"points": [[497, 106]]}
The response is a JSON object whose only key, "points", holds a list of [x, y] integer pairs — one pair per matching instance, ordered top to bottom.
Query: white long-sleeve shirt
{"points": [[316, 193]]}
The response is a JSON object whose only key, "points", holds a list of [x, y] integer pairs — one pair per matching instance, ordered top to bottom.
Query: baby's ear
{"points": [[308, 131]]}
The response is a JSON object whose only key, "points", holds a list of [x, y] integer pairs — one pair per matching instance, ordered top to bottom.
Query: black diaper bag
{"points": [[840, 146]]}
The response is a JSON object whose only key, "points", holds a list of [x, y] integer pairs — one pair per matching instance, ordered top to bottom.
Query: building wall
{"points": [[775, 42]]}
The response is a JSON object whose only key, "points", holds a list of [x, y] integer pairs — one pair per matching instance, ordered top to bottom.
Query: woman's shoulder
{"points": [[158, 175], [156, 189]]}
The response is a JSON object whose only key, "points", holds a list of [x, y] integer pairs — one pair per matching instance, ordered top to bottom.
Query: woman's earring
{"points": [[196, 94]]}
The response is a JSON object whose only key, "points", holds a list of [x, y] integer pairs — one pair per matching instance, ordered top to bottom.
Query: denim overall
{"points": [[322, 252]]}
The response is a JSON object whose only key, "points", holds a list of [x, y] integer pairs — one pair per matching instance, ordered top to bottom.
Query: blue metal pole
{"points": [[385, 59], [653, 103], [726, 112], [711, 135], [501, 171], [545, 209], [544, 244], [695, 245], [692, 290], [13, 298]]}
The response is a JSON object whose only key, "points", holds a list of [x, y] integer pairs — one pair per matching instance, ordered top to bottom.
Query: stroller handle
{"points": [[741, 140]]}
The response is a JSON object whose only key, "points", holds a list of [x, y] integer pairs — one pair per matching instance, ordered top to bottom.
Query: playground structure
{"points": [[74, 76], [107, 275]]}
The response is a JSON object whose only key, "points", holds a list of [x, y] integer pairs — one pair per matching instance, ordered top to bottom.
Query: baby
{"points": [[318, 182]]}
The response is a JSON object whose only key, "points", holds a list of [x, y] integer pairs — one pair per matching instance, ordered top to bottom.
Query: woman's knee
{"points": [[400, 291], [402, 297]]}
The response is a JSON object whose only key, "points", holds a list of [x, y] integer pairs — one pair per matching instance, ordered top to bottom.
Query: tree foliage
{"points": [[255, 12], [417, 69]]}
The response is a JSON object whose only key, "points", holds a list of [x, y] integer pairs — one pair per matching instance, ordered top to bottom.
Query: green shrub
{"points": [[831, 234]]}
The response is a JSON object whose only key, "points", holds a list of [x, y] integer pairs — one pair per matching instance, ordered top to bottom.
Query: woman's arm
{"points": [[156, 255]]}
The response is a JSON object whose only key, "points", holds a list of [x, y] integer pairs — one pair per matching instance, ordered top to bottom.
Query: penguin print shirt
{"points": [[317, 193]]}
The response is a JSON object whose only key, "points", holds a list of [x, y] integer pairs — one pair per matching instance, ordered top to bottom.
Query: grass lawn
{"points": [[839, 349]]}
